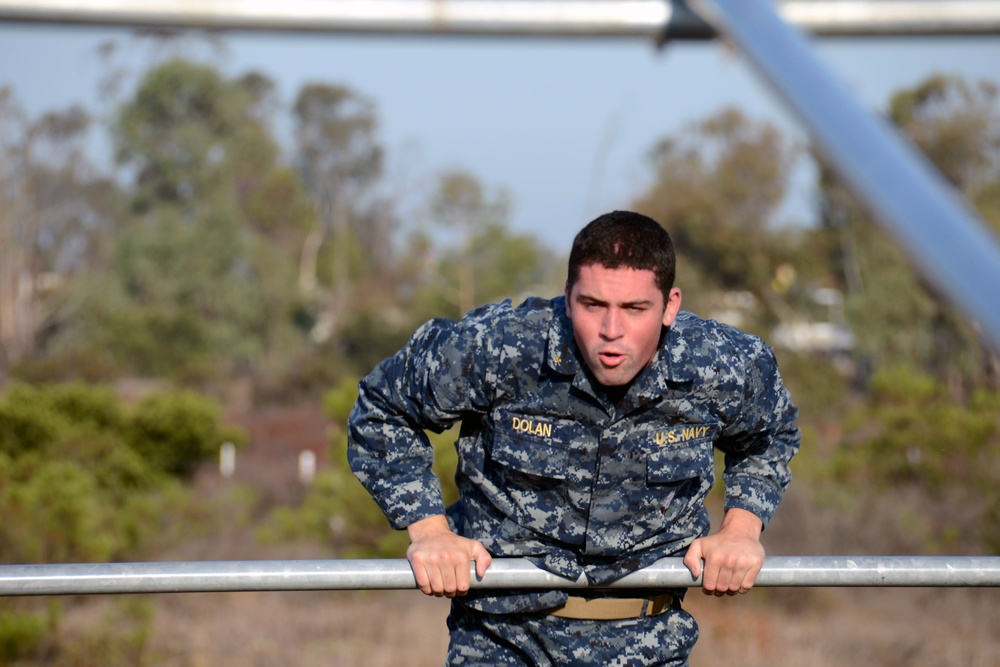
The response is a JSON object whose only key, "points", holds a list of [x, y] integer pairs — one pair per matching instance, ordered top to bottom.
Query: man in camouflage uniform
{"points": [[588, 424]]}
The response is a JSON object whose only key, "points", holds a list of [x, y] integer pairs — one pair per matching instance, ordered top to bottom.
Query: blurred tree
{"points": [[186, 132], [341, 163], [717, 189], [462, 207], [55, 210], [466, 256], [475, 258], [203, 274], [896, 316], [911, 438]]}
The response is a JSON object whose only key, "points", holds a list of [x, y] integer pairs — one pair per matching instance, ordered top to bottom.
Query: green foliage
{"points": [[183, 118], [954, 123], [335, 137], [717, 189], [279, 208], [55, 210], [203, 268], [896, 317], [366, 338], [93, 365], [818, 388], [338, 402], [93, 406], [28, 422], [175, 431], [911, 435], [118, 469], [82, 478], [337, 510], [53, 513], [20, 634], [120, 638]]}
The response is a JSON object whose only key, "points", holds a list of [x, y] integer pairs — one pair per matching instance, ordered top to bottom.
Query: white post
{"points": [[227, 459], [307, 466]]}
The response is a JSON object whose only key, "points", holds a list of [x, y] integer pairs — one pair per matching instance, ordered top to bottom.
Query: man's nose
{"points": [[611, 325]]}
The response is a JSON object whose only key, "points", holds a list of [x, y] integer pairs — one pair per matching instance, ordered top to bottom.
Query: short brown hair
{"points": [[623, 239]]}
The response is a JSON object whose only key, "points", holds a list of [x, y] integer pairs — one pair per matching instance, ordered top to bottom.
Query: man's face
{"points": [[617, 316]]}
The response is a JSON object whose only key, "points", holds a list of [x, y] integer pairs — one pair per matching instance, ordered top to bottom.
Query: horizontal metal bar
{"points": [[475, 17], [878, 17], [595, 18], [953, 249], [506, 573]]}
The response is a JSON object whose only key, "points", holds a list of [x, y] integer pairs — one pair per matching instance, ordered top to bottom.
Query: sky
{"points": [[562, 125]]}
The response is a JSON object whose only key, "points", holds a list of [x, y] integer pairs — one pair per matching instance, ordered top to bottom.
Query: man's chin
{"points": [[614, 377]]}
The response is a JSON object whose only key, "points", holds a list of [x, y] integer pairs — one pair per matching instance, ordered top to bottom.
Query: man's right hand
{"points": [[440, 559]]}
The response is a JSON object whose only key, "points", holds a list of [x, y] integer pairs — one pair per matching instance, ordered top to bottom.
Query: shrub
{"points": [[87, 404], [32, 418], [29, 421], [174, 431], [914, 441], [118, 469], [82, 479], [338, 510], [53, 512], [20, 634], [119, 638]]}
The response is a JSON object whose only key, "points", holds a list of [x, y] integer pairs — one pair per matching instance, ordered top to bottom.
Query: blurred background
{"points": [[207, 238]]}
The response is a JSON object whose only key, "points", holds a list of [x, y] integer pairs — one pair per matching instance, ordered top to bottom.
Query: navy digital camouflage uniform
{"points": [[550, 469]]}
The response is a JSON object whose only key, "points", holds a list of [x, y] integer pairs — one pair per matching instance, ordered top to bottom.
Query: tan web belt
{"points": [[613, 609]]}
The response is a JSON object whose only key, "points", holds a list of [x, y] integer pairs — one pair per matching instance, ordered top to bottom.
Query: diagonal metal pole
{"points": [[954, 250], [507, 573]]}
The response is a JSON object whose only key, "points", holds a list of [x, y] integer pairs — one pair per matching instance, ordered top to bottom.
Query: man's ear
{"points": [[569, 288], [673, 306]]}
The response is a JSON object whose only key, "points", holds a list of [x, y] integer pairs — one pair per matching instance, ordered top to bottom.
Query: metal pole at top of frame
{"points": [[644, 18], [505, 573]]}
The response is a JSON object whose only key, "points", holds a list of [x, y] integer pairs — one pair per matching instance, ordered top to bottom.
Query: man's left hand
{"points": [[732, 557]]}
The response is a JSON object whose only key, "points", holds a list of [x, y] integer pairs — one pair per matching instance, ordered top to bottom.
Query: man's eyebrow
{"points": [[586, 298], [638, 303]]}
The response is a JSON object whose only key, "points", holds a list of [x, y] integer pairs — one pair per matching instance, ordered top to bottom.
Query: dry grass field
{"points": [[769, 627], [911, 628]]}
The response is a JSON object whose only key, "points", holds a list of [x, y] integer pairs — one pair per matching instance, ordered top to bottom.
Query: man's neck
{"points": [[616, 394]]}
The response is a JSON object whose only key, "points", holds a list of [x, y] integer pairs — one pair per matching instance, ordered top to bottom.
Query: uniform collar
{"points": [[563, 354]]}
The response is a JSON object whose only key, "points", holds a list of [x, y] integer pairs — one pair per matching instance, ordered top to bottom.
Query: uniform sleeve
{"points": [[439, 377], [761, 441]]}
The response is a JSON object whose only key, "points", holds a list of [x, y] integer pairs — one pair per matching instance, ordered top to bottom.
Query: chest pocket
{"points": [[543, 448], [531, 456], [672, 464], [537, 473], [662, 506]]}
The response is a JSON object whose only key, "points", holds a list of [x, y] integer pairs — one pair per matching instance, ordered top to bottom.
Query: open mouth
{"points": [[611, 359]]}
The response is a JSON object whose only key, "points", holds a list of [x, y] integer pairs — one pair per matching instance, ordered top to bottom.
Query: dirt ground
{"points": [[769, 627], [393, 628]]}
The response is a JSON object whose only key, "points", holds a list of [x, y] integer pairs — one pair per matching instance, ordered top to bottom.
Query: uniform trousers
{"points": [[479, 639]]}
